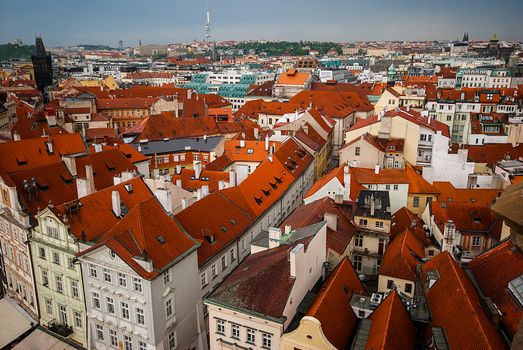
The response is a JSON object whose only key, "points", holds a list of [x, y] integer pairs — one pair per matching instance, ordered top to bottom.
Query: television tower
{"points": [[208, 27]]}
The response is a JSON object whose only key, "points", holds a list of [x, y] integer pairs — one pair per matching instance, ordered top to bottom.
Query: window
{"points": [[449, 118], [423, 137], [357, 151], [387, 187], [395, 187], [415, 202], [363, 222], [379, 224], [52, 232], [358, 241], [476, 241], [41, 253], [232, 255], [56, 258], [224, 262], [357, 262], [70, 263], [213, 271], [93, 272], [107, 275], [166, 277], [45, 278], [203, 279], [122, 280], [59, 284], [390, 284], [137, 285], [408, 288], [74, 290], [96, 300], [110, 305], [48, 306], [169, 308], [125, 310], [140, 316], [77, 319], [220, 326], [235, 331], [99, 332], [251, 336], [113, 338], [266, 340], [171, 341], [128, 342], [142, 345]]}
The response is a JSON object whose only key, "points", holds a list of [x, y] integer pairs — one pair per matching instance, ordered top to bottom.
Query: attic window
{"points": [[250, 151], [20, 159], [66, 177], [278, 180], [273, 185], [128, 188], [266, 192], [258, 200], [476, 219], [233, 221], [160, 239], [211, 239], [346, 289]]}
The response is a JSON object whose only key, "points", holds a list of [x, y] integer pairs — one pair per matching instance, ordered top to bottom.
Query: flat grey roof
{"points": [[200, 144]]}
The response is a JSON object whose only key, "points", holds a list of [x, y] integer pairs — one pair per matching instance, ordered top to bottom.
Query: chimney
{"points": [[189, 94], [429, 119], [256, 132], [16, 136], [242, 143], [266, 143], [49, 145], [97, 147], [70, 163], [197, 165], [178, 169], [377, 169], [89, 176], [232, 178], [179, 183], [346, 183], [221, 185], [205, 191], [199, 194], [165, 199], [185, 203], [372, 206], [117, 207], [332, 220], [288, 229], [274, 237], [294, 257]]}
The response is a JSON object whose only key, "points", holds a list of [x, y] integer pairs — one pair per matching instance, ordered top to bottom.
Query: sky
{"points": [[72, 22]]}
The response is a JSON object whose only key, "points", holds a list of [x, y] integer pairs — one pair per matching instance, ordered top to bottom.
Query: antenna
{"points": [[208, 27]]}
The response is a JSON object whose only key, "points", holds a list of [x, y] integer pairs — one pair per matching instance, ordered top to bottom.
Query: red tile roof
{"points": [[293, 77], [140, 91], [103, 104], [333, 104], [253, 108], [411, 115], [33, 127], [127, 150], [254, 151], [494, 152], [31, 153], [106, 165], [336, 173], [386, 176], [207, 178], [417, 184], [448, 193], [94, 217], [469, 218], [404, 219], [139, 233], [337, 240], [402, 256], [493, 270], [332, 305], [465, 323], [391, 327]]}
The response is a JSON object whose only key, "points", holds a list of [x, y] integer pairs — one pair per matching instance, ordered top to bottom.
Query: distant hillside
{"points": [[90, 47], [274, 48], [10, 51]]}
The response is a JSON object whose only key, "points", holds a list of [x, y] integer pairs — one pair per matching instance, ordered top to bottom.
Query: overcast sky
{"points": [[71, 22]]}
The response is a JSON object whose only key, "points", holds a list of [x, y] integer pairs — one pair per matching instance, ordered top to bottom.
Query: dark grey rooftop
{"points": [[200, 144], [373, 204], [262, 239]]}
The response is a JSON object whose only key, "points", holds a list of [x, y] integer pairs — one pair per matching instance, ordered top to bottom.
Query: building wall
{"points": [[368, 156], [330, 189], [423, 199], [65, 246], [399, 282], [308, 336]]}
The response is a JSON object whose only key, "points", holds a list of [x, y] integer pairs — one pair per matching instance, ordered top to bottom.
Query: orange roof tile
{"points": [[293, 77], [124, 103], [254, 151], [336, 173], [386, 176], [207, 178], [417, 184], [448, 193], [404, 219], [137, 235], [402, 256], [493, 270], [332, 305], [465, 323], [391, 327]]}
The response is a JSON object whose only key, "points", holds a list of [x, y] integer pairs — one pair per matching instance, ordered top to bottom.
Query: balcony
{"points": [[515, 120], [366, 252], [62, 329]]}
